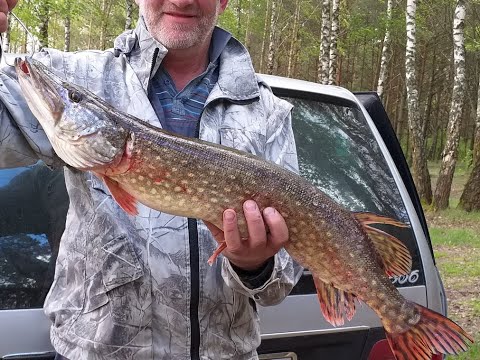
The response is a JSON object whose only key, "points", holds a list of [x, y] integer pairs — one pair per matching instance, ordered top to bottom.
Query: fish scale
{"points": [[350, 260]]}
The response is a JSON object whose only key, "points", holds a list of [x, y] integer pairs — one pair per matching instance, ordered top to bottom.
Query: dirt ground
{"points": [[462, 292]]}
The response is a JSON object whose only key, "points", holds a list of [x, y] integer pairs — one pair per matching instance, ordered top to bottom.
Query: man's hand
{"points": [[5, 7], [268, 233]]}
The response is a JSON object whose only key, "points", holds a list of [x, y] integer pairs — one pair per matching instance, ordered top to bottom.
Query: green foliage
{"points": [[91, 22], [456, 237]]}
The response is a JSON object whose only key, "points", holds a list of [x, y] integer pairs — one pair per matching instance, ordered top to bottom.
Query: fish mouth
{"points": [[40, 86]]}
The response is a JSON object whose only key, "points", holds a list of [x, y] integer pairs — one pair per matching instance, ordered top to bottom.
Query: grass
{"points": [[455, 238], [472, 354]]}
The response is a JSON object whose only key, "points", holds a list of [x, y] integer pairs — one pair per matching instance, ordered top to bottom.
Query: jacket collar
{"points": [[237, 80]]}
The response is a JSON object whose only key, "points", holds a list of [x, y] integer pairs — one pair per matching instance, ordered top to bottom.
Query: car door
{"points": [[33, 208]]}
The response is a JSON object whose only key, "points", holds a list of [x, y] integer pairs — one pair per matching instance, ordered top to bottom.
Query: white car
{"points": [[346, 147]]}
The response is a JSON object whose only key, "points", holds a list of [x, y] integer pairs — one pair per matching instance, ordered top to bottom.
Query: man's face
{"points": [[181, 24]]}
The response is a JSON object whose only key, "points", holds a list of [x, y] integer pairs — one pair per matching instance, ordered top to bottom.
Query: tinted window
{"points": [[338, 153], [33, 208]]}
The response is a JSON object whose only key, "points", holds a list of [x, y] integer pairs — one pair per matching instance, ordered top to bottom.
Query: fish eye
{"points": [[75, 96]]}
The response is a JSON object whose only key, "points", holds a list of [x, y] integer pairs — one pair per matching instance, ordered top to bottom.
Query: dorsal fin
{"points": [[367, 218], [394, 254]]}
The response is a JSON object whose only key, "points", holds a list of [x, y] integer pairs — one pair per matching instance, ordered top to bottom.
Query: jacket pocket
{"points": [[119, 266]]}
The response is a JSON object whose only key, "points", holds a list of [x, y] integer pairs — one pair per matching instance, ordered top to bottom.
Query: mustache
{"points": [[190, 9]]}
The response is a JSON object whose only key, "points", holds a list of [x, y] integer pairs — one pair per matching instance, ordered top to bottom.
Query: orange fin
{"points": [[126, 201], [367, 218], [217, 252], [395, 255], [334, 303], [432, 334]]}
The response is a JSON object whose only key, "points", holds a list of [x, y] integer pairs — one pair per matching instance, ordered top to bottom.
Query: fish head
{"points": [[81, 127]]}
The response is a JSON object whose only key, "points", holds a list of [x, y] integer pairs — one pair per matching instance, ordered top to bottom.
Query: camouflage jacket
{"points": [[139, 287]]}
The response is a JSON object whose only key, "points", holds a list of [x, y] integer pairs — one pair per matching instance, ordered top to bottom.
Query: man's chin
{"points": [[178, 41]]}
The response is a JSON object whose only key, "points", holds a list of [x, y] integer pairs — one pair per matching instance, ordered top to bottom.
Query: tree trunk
{"points": [[238, 9], [128, 14], [43, 16], [105, 16], [67, 25], [247, 26], [67, 33], [6, 38], [264, 38], [293, 43], [271, 44], [385, 52], [323, 59], [364, 59], [333, 60], [431, 93], [476, 141], [450, 152], [420, 173], [470, 199]]}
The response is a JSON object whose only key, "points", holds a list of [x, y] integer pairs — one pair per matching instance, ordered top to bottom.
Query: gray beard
{"points": [[182, 37]]}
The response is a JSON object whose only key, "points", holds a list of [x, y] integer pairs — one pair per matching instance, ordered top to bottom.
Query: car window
{"points": [[338, 153], [33, 209]]}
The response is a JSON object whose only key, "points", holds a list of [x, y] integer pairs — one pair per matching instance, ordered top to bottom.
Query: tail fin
{"points": [[432, 334]]}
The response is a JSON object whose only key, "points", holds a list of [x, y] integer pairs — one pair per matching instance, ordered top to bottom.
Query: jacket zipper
{"points": [[154, 61], [194, 264], [194, 279], [194, 289]]}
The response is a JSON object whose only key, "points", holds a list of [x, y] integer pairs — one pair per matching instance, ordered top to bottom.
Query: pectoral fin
{"points": [[126, 201], [394, 254], [334, 303]]}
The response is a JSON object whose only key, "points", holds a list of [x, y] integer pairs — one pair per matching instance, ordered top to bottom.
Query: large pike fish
{"points": [[349, 259]]}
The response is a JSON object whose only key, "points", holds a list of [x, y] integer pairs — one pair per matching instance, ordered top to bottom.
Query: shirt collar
{"points": [[220, 39]]}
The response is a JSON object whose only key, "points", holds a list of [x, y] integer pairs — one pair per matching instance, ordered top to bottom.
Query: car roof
{"points": [[280, 82]]}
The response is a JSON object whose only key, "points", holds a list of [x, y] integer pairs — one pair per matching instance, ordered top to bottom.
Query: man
{"points": [[139, 287]]}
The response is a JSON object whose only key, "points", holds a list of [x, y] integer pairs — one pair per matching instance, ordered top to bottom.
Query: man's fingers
{"points": [[11, 4], [4, 7], [3, 22], [255, 224], [278, 230], [230, 231]]}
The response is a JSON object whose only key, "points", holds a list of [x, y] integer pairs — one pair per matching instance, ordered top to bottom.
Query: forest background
{"points": [[395, 47]]}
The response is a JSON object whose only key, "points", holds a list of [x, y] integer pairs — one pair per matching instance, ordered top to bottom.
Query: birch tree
{"points": [[42, 11], [128, 14], [67, 24], [265, 32], [6, 35], [271, 44], [293, 44], [385, 51], [323, 59], [333, 59], [476, 143], [450, 152], [420, 174], [470, 199]]}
